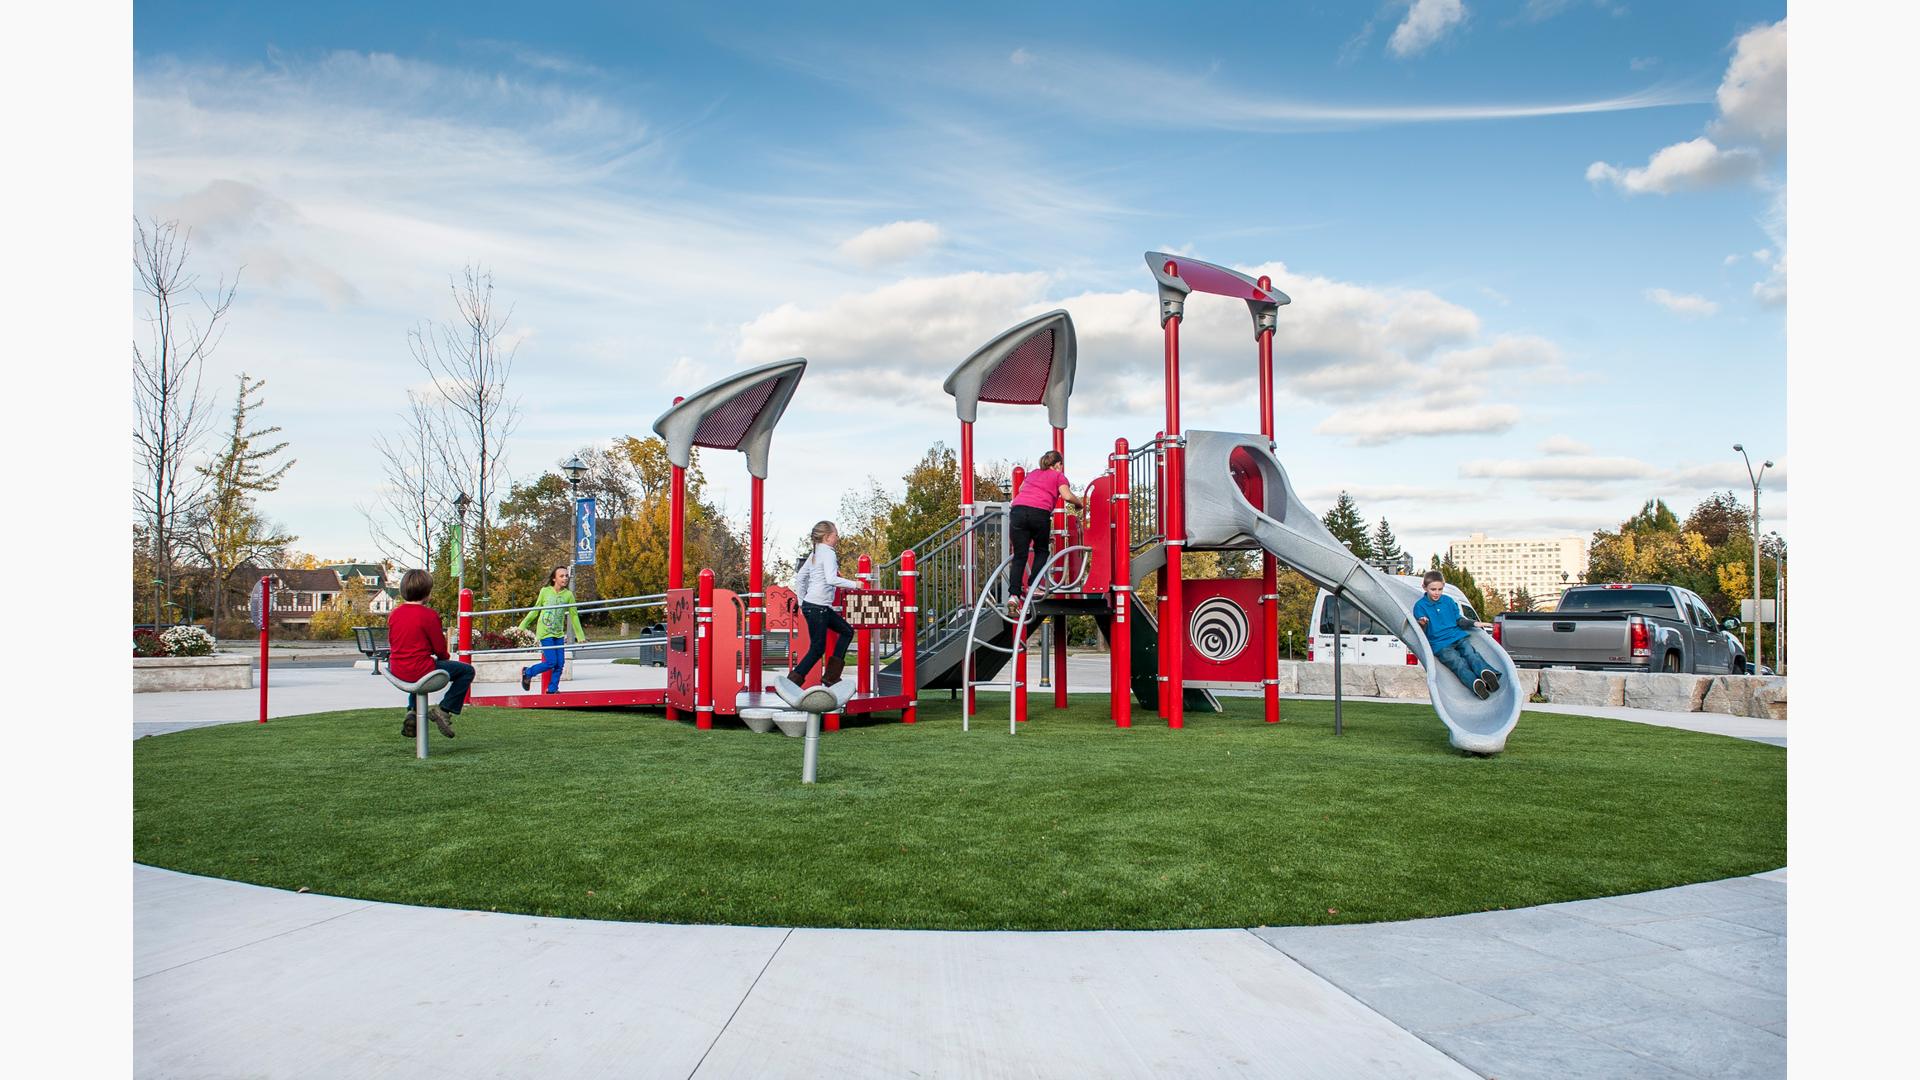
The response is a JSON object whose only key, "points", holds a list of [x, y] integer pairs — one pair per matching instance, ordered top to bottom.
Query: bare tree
{"points": [[469, 364], [170, 414], [419, 484]]}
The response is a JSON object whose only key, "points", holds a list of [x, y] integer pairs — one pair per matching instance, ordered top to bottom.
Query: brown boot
{"points": [[835, 666], [441, 720], [407, 730]]}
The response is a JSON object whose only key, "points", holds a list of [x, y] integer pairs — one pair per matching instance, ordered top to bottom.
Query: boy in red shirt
{"points": [[417, 645]]}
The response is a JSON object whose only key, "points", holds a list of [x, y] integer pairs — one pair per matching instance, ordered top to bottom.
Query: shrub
{"points": [[513, 637], [187, 641], [148, 643]]}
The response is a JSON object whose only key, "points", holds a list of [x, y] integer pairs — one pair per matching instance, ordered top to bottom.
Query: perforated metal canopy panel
{"points": [[1028, 364], [738, 412], [729, 422]]}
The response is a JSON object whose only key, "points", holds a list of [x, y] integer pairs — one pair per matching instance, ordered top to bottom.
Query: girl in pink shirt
{"points": [[1031, 519]]}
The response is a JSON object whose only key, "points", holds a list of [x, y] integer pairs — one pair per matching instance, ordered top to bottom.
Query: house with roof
{"points": [[367, 575], [297, 596]]}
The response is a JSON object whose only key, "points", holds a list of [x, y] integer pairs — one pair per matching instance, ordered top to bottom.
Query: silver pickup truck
{"points": [[1623, 628]]}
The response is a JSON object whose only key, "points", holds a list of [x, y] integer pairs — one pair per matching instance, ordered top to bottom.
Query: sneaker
{"points": [[1492, 679], [526, 681], [1480, 689], [444, 721], [407, 729]]}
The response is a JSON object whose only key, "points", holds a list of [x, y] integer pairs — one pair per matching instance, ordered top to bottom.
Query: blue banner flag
{"points": [[583, 534]]}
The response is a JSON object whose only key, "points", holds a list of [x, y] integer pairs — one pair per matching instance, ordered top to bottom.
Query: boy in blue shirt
{"points": [[1447, 632]]}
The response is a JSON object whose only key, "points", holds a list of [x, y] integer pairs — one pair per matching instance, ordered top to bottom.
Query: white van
{"points": [[1362, 640]]}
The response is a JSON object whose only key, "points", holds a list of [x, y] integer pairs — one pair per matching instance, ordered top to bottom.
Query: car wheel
{"points": [[1671, 663]]}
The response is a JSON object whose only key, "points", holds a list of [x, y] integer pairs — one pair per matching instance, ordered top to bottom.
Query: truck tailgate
{"points": [[1566, 639]]}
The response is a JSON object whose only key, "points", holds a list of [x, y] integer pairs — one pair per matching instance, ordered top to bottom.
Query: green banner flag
{"points": [[458, 543]]}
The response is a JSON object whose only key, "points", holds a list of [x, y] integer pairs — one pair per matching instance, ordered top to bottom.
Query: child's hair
{"points": [[1050, 459], [821, 530], [555, 573], [1432, 576], [415, 586]]}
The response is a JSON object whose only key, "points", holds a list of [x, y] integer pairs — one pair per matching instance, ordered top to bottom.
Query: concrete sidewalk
{"points": [[295, 691], [233, 979]]}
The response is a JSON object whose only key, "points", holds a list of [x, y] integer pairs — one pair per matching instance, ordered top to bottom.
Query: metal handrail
{"points": [[980, 605], [592, 606], [1026, 608]]}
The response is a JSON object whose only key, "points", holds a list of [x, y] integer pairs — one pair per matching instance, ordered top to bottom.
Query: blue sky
{"points": [[1537, 250]]}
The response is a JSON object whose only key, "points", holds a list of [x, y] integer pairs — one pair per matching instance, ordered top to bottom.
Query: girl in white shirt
{"points": [[814, 581]]}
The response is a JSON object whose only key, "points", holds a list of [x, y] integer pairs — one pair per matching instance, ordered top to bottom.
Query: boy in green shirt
{"points": [[554, 612]]}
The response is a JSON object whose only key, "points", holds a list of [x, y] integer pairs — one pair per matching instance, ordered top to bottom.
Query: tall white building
{"points": [[1542, 567]]}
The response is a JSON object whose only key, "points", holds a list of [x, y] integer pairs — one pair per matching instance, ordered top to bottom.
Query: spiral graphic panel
{"points": [[1224, 632]]}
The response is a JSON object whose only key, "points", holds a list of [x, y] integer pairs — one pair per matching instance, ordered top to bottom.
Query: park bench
{"points": [[372, 642]]}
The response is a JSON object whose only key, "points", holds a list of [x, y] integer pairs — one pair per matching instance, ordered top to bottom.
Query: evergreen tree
{"points": [[1654, 517], [1348, 527], [228, 530], [1386, 546], [1523, 600]]}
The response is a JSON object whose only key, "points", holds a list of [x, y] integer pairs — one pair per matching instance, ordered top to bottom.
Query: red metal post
{"points": [[677, 529], [1060, 543], [970, 545], [1269, 569], [1120, 581], [756, 585], [1159, 604], [266, 620], [1174, 620], [465, 630], [909, 635], [863, 650], [703, 653], [1019, 687]]}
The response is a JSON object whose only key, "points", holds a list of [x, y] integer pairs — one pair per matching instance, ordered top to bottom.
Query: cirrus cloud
{"points": [[1427, 21]]}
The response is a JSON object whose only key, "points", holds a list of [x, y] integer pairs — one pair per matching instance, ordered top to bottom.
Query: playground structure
{"points": [[937, 616]]}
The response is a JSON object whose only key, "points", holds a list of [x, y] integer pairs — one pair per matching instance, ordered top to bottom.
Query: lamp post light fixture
{"points": [[576, 470], [1754, 477], [460, 504]]}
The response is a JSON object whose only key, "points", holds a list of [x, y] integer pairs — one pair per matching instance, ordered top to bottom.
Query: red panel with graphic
{"points": [[680, 628], [1225, 633]]}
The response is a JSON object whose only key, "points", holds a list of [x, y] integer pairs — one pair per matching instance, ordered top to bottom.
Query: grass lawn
{"points": [[615, 814]]}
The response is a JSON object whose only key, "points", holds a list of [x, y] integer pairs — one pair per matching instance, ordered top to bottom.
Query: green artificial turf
{"points": [[618, 814]]}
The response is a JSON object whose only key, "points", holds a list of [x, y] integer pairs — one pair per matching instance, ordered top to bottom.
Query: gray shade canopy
{"points": [[1178, 275], [1028, 364], [736, 413]]}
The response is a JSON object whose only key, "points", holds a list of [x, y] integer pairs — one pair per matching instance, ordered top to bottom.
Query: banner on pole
{"points": [[583, 538], [458, 543], [1766, 611]]}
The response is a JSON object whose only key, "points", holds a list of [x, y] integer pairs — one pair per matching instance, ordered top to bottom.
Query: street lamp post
{"points": [[575, 470], [1754, 477], [460, 504]]}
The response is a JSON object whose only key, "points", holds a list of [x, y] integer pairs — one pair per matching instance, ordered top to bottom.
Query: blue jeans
{"points": [[553, 658], [1462, 660], [457, 689]]}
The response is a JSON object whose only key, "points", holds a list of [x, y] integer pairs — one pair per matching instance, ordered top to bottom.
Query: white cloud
{"points": [[1426, 23], [1642, 63], [1753, 93], [1751, 123], [1691, 165], [891, 243], [1683, 303], [1377, 425], [1563, 445], [1559, 467]]}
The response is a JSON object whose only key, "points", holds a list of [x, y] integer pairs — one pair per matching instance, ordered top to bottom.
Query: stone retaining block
{"points": [[1356, 680], [1402, 682], [1583, 687], [1667, 692], [1763, 696]]}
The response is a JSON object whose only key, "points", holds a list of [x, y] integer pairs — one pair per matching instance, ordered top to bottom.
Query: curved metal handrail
{"points": [[1026, 608], [1019, 635]]}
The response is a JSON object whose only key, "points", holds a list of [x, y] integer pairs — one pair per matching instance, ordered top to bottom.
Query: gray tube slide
{"points": [[1219, 515]]}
